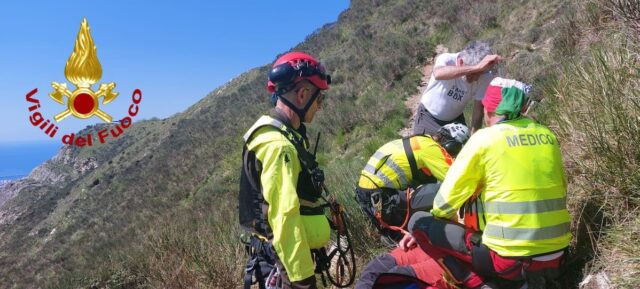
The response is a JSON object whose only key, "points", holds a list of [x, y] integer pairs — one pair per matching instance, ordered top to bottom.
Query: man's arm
{"points": [[452, 72], [477, 116], [278, 179], [461, 180]]}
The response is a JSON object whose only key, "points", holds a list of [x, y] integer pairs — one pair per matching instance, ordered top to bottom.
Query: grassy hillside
{"points": [[159, 210]]}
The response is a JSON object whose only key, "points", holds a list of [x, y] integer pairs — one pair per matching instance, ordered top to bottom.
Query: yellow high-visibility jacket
{"points": [[389, 166], [518, 168], [293, 234]]}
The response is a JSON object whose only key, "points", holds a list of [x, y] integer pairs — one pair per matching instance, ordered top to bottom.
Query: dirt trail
{"points": [[412, 102]]}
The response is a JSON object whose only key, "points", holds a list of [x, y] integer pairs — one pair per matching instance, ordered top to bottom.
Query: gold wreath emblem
{"points": [[83, 70]]}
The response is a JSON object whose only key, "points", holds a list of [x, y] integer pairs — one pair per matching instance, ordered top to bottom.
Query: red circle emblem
{"points": [[83, 103]]}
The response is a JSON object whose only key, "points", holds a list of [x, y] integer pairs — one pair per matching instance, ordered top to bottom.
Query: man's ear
{"points": [[460, 62], [301, 95]]}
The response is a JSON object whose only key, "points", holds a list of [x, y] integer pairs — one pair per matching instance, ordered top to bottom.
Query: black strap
{"points": [[300, 112], [300, 143], [307, 159], [251, 168], [415, 173], [479, 203], [313, 211], [257, 254], [481, 261], [253, 268]]}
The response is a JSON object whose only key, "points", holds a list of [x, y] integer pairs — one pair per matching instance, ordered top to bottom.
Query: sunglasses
{"points": [[320, 98]]}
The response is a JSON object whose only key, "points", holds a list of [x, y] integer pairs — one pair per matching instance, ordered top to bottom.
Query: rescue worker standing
{"points": [[512, 170], [279, 203]]}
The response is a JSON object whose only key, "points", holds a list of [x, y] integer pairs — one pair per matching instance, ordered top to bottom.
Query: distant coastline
{"points": [[18, 159], [4, 179]]}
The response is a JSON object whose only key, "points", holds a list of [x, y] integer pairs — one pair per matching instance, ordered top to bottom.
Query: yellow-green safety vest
{"points": [[389, 166], [518, 168]]}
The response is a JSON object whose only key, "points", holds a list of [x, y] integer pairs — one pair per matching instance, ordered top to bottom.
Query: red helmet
{"points": [[294, 67]]}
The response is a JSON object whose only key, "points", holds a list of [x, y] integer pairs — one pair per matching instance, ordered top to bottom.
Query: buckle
{"points": [[376, 200]]}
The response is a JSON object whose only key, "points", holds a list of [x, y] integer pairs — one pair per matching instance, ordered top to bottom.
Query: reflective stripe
{"points": [[265, 120], [379, 155], [370, 169], [396, 169], [441, 204], [532, 207], [527, 234], [549, 257]]}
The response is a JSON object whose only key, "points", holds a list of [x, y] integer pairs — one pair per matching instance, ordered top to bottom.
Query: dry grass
{"points": [[595, 108]]}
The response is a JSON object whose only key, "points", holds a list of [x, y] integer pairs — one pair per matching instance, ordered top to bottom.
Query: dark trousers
{"points": [[426, 123], [468, 261], [264, 262], [383, 264], [308, 283]]}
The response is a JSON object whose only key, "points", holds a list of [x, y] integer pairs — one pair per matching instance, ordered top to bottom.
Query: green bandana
{"points": [[513, 99]]}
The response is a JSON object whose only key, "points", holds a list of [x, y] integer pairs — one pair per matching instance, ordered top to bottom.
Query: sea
{"points": [[17, 159]]}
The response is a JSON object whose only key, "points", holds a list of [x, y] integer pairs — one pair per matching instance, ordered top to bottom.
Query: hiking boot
{"points": [[388, 242]]}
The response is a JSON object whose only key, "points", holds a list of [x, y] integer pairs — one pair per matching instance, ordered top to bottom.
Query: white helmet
{"points": [[458, 131], [453, 136]]}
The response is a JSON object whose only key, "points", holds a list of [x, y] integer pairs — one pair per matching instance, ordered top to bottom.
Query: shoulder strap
{"points": [[262, 121], [307, 160], [415, 173]]}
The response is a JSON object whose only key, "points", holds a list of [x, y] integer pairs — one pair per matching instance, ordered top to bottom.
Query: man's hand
{"points": [[488, 62], [407, 242]]}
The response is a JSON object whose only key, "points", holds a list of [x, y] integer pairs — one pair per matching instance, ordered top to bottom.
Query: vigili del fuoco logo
{"points": [[83, 69]]}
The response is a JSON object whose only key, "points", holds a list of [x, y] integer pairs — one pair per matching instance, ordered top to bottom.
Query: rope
{"points": [[401, 229]]}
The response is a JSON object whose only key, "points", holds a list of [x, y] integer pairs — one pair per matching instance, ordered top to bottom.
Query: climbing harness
{"points": [[261, 263]]}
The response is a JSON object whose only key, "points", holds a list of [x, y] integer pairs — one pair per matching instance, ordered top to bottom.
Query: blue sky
{"points": [[175, 52]]}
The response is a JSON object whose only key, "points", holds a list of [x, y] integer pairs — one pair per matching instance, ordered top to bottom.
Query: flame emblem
{"points": [[83, 70]]}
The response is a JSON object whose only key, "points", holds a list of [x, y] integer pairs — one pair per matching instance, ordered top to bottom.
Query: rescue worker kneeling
{"points": [[512, 171], [396, 177], [381, 195]]}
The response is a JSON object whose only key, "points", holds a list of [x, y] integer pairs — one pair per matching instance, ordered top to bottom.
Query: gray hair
{"points": [[474, 52]]}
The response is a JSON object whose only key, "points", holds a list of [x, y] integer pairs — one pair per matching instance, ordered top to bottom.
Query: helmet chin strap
{"points": [[300, 112]]}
